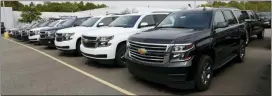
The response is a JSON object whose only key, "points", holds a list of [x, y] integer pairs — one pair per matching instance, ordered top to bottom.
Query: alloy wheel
{"points": [[206, 73]]}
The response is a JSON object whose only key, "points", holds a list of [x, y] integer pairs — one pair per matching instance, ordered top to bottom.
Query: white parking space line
{"points": [[78, 70]]}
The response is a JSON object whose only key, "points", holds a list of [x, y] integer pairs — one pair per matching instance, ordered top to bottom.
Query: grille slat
{"points": [[59, 37], [89, 42], [155, 53]]}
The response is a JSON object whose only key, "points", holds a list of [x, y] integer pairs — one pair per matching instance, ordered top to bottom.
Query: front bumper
{"points": [[19, 37], [34, 38], [47, 41], [66, 45], [101, 53], [174, 77]]}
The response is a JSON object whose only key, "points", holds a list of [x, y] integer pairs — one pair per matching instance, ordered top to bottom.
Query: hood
{"points": [[38, 28], [52, 28], [75, 29], [109, 31], [167, 36]]}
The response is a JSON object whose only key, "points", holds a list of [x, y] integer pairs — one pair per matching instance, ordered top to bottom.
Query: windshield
{"points": [[191, 20], [125, 21], [69, 22], [90, 22], [53, 23], [43, 24]]}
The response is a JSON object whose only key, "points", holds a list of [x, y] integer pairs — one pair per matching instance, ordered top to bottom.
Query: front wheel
{"points": [[260, 35], [78, 51], [241, 52], [120, 55], [204, 73]]}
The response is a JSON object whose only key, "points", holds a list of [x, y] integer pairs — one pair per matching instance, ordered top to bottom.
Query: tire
{"points": [[261, 35], [247, 39], [78, 51], [241, 52], [119, 57], [204, 73]]}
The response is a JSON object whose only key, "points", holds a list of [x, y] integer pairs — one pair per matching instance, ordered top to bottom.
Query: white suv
{"points": [[34, 33], [69, 39], [108, 45]]}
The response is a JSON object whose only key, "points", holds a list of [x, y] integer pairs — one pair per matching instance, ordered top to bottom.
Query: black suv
{"points": [[266, 16], [254, 24], [47, 36], [184, 49]]}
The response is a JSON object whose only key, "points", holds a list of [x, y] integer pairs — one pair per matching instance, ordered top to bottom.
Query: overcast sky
{"points": [[155, 4]]}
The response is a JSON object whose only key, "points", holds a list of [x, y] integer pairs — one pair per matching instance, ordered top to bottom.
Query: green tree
{"points": [[16, 5], [29, 14]]}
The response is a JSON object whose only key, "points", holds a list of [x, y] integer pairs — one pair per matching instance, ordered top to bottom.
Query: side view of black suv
{"points": [[254, 24], [47, 36], [184, 49]]}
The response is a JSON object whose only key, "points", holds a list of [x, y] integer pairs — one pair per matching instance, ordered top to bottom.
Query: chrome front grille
{"points": [[24, 33], [31, 33], [43, 34], [59, 37], [89, 42], [154, 53]]}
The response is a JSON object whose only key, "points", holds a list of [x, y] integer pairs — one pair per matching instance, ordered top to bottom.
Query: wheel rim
{"points": [[247, 38], [242, 51], [122, 57], [206, 73]]}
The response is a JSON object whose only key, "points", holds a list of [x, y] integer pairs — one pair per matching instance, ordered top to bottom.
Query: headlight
{"points": [[68, 36], [104, 41], [181, 52]]}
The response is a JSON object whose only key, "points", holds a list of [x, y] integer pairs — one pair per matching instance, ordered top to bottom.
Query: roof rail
{"points": [[161, 11]]}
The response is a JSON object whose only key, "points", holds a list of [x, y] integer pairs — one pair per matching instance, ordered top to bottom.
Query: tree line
{"points": [[55, 6], [258, 6], [32, 12]]}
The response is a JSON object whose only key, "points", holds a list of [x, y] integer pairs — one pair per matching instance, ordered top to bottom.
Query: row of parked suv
{"points": [[180, 49]]}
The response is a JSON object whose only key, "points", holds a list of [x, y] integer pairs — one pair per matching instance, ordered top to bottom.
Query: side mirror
{"points": [[248, 20], [100, 24], [143, 24], [221, 25]]}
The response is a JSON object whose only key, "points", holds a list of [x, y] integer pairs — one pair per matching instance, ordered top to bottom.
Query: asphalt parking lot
{"points": [[26, 71]]}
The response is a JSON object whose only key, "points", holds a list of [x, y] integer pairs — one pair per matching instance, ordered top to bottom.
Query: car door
{"points": [[259, 22], [254, 23], [233, 29], [220, 38]]}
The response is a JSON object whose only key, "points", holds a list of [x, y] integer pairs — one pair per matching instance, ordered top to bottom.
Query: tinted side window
{"points": [[239, 15], [245, 15], [251, 15], [255, 15], [159, 17], [218, 17], [230, 17], [149, 20], [106, 21]]}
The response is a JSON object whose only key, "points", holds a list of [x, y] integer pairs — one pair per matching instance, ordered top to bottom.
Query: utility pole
{"points": [[244, 5]]}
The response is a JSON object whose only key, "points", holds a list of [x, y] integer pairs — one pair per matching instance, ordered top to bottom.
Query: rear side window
{"points": [[239, 15], [245, 15], [251, 15], [159, 17], [218, 17], [230, 17]]}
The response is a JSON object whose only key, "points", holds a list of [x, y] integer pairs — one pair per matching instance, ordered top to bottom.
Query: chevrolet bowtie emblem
{"points": [[142, 51]]}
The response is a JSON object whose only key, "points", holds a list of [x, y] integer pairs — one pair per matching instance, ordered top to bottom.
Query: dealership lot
{"points": [[25, 71]]}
